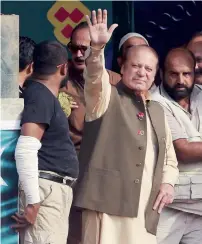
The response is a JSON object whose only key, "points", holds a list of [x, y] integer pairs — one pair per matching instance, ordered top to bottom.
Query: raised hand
{"points": [[99, 32]]}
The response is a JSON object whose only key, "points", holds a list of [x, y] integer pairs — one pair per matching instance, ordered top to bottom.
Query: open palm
{"points": [[99, 32]]}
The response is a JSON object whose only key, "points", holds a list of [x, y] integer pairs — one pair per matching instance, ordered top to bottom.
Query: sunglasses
{"points": [[75, 48]]}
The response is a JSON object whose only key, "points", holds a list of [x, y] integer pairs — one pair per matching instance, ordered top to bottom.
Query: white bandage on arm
{"points": [[26, 156]]}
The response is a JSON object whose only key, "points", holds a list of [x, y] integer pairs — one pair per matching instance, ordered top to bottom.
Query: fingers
{"points": [[99, 16], [105, 16], [94, 18], [88, 21], [112, 28], [73, 105], [171, 199], [158, 200], [162, 201], [162, 204], [18, 217], [19, 220], [19, 227]]}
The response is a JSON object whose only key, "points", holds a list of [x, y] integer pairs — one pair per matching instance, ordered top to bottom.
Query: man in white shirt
{"points": [[181, 221]]}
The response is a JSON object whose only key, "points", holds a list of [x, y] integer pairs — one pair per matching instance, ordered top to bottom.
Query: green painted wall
{"points": [[33, 16]]}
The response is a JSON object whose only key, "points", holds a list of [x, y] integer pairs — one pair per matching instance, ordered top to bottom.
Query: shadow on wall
{"points": [[168, 24]]}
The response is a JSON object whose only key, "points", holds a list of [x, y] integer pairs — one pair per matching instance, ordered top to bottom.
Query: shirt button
{"points": [[141, 132], [140, 148], [139, 164], [137, 181]]}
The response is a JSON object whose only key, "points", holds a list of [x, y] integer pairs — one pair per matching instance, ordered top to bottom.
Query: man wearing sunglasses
{"points": [[78, 46]]}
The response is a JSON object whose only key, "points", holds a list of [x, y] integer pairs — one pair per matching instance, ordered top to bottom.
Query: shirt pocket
{"points": [[196, 187], [183, 188]]}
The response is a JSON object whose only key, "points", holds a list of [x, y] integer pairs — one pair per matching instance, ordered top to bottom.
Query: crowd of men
{"points": [[125, 165]]}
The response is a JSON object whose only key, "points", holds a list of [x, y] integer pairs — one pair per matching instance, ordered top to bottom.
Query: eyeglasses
{"points": [[75, 48]]}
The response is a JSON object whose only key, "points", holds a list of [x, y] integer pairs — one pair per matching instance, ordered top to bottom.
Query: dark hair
{"points": [[80, 26], [197, 34], [26, 49], [185, 50], [47, 56]]}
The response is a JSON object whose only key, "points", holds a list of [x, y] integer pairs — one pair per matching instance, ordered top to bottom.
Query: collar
{"points": [[137, 95], [193, 98]]}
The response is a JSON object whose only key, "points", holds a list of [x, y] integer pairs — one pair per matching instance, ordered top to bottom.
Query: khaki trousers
{"points": [[52, 223], [177, 227]]}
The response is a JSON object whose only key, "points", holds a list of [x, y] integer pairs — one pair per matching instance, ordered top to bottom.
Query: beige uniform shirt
{"points": [[97, 92], [185, 125]]}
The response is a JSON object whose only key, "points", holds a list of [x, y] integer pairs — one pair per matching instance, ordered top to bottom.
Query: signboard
{"points": [[64, 16], [10, 131]]}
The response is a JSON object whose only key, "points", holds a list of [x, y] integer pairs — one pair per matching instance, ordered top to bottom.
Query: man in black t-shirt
{"points": [[26, 49], [46, 160]]}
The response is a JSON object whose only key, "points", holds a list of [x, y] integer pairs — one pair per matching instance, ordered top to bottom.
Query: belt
{"points": [[58, 179]]}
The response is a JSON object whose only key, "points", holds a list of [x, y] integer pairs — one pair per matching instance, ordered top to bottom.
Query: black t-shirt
{"points": [[57, 153]]}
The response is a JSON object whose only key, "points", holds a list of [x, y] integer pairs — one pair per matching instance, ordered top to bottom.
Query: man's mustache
{"points": [[79, 59], [180, 86]]}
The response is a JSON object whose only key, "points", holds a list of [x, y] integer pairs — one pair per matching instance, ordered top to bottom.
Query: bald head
{"points": [[177, 56], [178, 73]]}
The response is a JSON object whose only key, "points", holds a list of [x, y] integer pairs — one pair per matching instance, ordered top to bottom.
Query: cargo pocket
{"points": [[196, 187], [183, 188], [45, 190], [39, 237]]}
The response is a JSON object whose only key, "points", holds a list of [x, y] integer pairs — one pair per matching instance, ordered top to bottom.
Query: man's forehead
{"points": [[81, 35], [196, 39], [196, 47], [135, 51], [178, 61]]}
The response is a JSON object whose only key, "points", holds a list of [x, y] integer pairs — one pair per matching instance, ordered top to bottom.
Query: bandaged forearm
{"points": [[26, 156]]}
